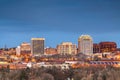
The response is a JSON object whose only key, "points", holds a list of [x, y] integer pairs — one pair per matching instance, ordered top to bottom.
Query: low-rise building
{"points": [[107, 47], [25, 48], [67, 48], [96, 48], [50, 50]]}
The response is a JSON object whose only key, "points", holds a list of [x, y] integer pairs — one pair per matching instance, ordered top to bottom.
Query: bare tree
{"points": [[46, 76]]}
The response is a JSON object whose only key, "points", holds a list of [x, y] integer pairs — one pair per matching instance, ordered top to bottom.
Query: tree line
{"points": [[54, 73]]}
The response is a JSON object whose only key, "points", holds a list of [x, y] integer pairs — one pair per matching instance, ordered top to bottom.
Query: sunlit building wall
{"points": [[85, 44], [37, 46], [108, 47], [25, 48], [66, 48], [18, 50], [50, 50]]}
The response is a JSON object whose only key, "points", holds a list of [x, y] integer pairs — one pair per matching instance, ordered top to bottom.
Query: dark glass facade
{"points": [[37, 46]]}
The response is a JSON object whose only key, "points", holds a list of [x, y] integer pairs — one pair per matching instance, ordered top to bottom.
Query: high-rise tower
{"points": [[85, 44], [37, 46]]}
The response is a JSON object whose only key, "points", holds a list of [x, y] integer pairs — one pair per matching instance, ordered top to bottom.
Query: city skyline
{"points": [[58, 21], [46, 46]]}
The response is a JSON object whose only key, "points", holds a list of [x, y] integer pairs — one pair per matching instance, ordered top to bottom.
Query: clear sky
{"points": [[58, 21]]}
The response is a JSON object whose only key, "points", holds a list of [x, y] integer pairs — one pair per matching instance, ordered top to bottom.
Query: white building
{"points": [[85, 44], [18, 50]]}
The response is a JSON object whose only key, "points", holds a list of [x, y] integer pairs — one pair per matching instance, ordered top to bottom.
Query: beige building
{"points": [[85, 44], [25, 48], [66, 48], [50, 50]]}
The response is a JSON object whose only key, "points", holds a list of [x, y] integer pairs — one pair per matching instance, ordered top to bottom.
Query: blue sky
{"points": [[58, 21]]}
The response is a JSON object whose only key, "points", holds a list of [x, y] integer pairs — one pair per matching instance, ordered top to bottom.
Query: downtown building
{"points": [[85, 44], [37, 46], [104, 47], [108, 47], [25, 48], [66, 48], [96, 48], [18, 50], [50, 50]]}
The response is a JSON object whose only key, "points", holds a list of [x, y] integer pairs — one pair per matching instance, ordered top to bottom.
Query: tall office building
{"points": [[85, 44], [37, 46], [66, 48]]}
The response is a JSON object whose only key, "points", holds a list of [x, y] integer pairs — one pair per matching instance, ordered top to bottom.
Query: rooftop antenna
{"points": [[5, 47]]}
